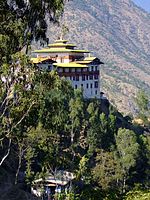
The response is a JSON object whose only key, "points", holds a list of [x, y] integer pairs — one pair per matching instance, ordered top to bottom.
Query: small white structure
{"points": [[71, 63], [52, 184]]}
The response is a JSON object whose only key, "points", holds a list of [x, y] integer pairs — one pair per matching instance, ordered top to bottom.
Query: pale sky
{"points": [[145, 4]]}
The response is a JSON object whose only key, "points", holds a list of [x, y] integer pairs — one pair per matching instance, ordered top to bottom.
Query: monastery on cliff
{"points": [[75, 65]]}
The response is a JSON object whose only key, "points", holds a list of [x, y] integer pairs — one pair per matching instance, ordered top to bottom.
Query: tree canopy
{"points": [[23, 21], [46, 125]]}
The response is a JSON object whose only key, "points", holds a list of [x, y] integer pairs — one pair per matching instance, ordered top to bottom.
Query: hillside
{"points": [[118, 32], [86, 148]]}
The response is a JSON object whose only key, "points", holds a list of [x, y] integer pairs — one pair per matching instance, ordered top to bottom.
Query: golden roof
{"points": [[61, 41], [61, 45], [60, 50], [89, 58], [39, 59], [86, 60], [71, 64]]}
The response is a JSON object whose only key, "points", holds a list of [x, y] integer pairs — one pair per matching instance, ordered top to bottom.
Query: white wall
{"points": [[87, 92]]}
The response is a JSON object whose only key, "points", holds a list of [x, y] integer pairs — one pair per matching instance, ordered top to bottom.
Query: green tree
{"points": [[22, 21], [16, 87], [142, 101], [76, 116], [108, 130], [93, 132], [50, 136], [127, 152], [143, 170], [83, 173], [104, 173], [138, 195]]}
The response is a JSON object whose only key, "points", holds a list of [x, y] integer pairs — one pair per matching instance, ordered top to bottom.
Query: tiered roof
{"points": [[61, 43], [61, 46], [60, 50]]}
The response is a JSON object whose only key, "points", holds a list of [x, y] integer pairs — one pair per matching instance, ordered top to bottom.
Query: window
{"points": [[49, 67], [92, 68], [96, 68], [60, 69], [67, 69], [95, 76], [70, 77], [77, 77], [83, 77], [87, 77], [91, 77], [74, 78], [96, 84], [81, 85], [87, 85], [91, 85], [76, 86], [95, 92]]}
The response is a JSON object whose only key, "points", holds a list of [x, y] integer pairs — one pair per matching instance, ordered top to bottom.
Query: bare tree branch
{"points": [[8, 134], [7, 154]]}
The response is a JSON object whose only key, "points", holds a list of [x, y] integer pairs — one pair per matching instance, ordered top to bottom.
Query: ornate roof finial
{"points": [[64, 31]]}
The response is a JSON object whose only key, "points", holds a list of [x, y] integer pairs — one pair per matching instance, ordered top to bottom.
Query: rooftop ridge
{"points": [[61, 41]]}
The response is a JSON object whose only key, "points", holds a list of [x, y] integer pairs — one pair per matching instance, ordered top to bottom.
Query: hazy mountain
{"points": [[118, 32]]}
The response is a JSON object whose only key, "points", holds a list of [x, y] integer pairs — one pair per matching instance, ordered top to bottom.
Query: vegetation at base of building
{"points": [[46, 125]]}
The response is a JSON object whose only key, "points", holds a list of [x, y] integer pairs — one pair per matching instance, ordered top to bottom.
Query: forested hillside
{"points": [[118, 32], [46, 125], [49, 127]]}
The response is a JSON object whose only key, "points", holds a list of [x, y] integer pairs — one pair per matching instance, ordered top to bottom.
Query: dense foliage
{"points": [[23, 21], [46, 125], [51, 127]]}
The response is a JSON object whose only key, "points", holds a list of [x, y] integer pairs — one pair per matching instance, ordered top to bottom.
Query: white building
{"points": [[71, 63], [59, 182]]}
